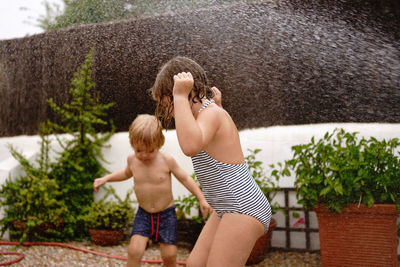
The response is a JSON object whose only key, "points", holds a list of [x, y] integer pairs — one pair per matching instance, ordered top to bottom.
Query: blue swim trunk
{"points": [[160, 227]]}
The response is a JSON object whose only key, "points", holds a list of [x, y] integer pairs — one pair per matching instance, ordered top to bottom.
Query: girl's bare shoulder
{"points": [[212, 110], [217, 114]]}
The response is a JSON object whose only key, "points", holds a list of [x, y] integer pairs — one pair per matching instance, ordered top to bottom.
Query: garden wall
{"points": [[276, 63], [275, 143]]}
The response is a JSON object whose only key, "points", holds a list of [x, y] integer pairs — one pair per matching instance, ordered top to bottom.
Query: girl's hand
{"points": [[183, 84], [217, 96], [98, 182]]}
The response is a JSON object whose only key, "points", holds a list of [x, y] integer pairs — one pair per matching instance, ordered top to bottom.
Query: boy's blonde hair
{"points": [[146, 129]]}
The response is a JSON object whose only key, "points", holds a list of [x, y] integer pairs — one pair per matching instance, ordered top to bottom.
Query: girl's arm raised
{"points": [[193, 136]]}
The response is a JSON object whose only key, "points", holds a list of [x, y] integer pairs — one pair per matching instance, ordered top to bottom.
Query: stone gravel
{"points": [[53, 256]]}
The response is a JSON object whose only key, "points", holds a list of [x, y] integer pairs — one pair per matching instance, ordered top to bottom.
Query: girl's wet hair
{"points": [[163, 86]]}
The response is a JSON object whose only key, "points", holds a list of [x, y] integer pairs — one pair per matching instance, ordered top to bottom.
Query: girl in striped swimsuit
{"points": [[207, 133]]}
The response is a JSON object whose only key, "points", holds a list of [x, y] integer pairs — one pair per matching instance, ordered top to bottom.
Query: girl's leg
{"points": [[234, 240], [136, 249], [168, 254], [199, 255]]}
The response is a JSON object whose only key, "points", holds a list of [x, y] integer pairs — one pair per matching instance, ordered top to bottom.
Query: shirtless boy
{"points": [[151, 170]]}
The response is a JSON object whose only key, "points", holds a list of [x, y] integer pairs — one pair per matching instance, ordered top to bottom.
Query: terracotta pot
{"points": [[19, 226], [41, 229], [359, 236], [106, 237], [262, 246]]}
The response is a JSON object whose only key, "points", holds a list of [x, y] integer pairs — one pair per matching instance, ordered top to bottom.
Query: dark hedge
{"points": [[276, 63]]}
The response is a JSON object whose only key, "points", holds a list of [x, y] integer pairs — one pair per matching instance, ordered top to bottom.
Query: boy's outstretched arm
{"points": [[117, 176], [190, 184]]}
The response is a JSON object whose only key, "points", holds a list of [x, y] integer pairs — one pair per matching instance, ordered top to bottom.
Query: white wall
{"points": [[275, 143]]}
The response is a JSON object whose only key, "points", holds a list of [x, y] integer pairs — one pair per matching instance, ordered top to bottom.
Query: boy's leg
{"points": [[234, 240], [136, 249], [168, 254], [199, 254]]}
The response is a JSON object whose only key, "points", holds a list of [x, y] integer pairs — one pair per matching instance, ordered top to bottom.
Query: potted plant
{"points": [[80, 158], [64, 180], [268, 184], [353, 185], [31, 203], [31, 211], [108, 221]]}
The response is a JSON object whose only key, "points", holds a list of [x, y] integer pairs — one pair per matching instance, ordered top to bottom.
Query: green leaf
{"points": [[334, 168], [286, 172], [338, 188], [325, 191], [370, 201]]}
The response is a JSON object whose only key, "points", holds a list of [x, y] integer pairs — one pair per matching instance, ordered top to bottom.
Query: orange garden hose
{"points": [[64, 245]]}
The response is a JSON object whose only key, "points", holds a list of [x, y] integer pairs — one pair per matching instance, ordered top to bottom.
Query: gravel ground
{"points": [[52, 256]]}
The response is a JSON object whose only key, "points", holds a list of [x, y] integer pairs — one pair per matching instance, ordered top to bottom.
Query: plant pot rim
{"points": [[388, 209]]}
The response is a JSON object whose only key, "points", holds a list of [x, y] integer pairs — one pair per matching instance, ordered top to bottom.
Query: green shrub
{"points": [[79, 162], [341, 169], [266, 182], [65, 184], [32, 199], [111, 215]]}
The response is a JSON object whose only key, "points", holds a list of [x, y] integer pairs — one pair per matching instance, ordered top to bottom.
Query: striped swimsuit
{"points": [[230, 187]]}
